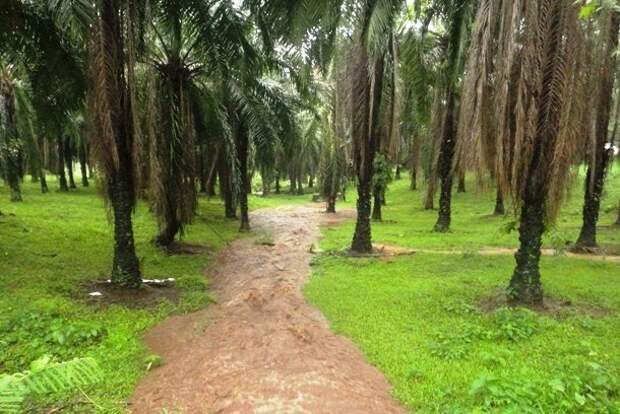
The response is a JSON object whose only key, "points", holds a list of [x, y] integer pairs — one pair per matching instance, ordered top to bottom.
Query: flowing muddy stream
{"points": [[261, 348]]}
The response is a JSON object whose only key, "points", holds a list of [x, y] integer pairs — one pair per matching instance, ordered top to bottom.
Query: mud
{"points": [[261, 348]]}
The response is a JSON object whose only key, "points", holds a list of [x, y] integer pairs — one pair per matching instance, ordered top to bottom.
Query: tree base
{"points": [[441, 227], [584, 244], [125, 281], [528, 294]]}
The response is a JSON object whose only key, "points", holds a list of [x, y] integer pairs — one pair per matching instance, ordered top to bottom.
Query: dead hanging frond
{"points": [[359, 78], [538, 90], [391, 105], [100, 129], [138, 138], [430, 147], [475, 147]]}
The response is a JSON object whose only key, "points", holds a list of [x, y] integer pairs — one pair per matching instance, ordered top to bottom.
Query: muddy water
{"points": [[262, 348]]}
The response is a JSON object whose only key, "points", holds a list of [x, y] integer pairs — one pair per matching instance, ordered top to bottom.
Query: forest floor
{"points": [[261, 348]]}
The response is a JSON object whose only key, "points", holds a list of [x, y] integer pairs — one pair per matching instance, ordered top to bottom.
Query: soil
{"points": [[184, 248], [391, 250], [145, 297], [556, 307], [261, 348]]}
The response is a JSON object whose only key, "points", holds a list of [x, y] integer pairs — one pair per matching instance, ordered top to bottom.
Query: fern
{"points": [[46, 377]]}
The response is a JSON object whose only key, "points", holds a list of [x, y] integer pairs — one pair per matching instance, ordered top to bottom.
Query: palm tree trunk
{"points": [[365, 144], [42, 146], [10, 150], [446, 155], [242, 156], [69, 162], [83, 167], [202, 170], [11, 173], [397, 174], [595, 176], [62, 178], [414, 178], [293, 180], [43, 182], [265, 182], [278, 182], [461, 184], [210, 185], [300, 186], [226, 190], [429, 199], [592, 201], [331, 205], [499, 205], [376, 206], [166, 235], [125, 266], [525, 286]]}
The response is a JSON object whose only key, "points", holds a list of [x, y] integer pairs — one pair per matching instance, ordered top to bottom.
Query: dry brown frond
{"points": [[535, 78], [102, 139]]}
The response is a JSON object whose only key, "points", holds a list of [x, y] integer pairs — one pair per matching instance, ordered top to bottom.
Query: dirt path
{"points": [[392, 250], [262, 348]]}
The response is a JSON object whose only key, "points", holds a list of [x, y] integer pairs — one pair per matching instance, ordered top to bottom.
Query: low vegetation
{"points": [[50, 258], [437, 324]]}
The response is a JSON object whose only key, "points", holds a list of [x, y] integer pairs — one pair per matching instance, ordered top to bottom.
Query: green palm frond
{"points": [[46, 377]]}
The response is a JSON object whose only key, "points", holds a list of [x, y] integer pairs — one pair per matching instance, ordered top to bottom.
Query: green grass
{"points": [[50, 246], [414, 317], [419, 320]]}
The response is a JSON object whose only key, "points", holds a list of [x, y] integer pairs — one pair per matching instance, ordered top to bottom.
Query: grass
{"points": [[50, 246], [416, 317], [419, 318]]}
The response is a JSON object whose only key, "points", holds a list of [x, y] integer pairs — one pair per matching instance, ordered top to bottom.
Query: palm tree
{"points": [[456, 12], [373, 23], [190, 39], [533, 51], [110, 106], [11, 147], [601, 152], [332, 169]]}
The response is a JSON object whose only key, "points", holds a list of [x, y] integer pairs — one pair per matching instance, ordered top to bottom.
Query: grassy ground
{"points": [[51, 246], [415, 317], [423, 319]]}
